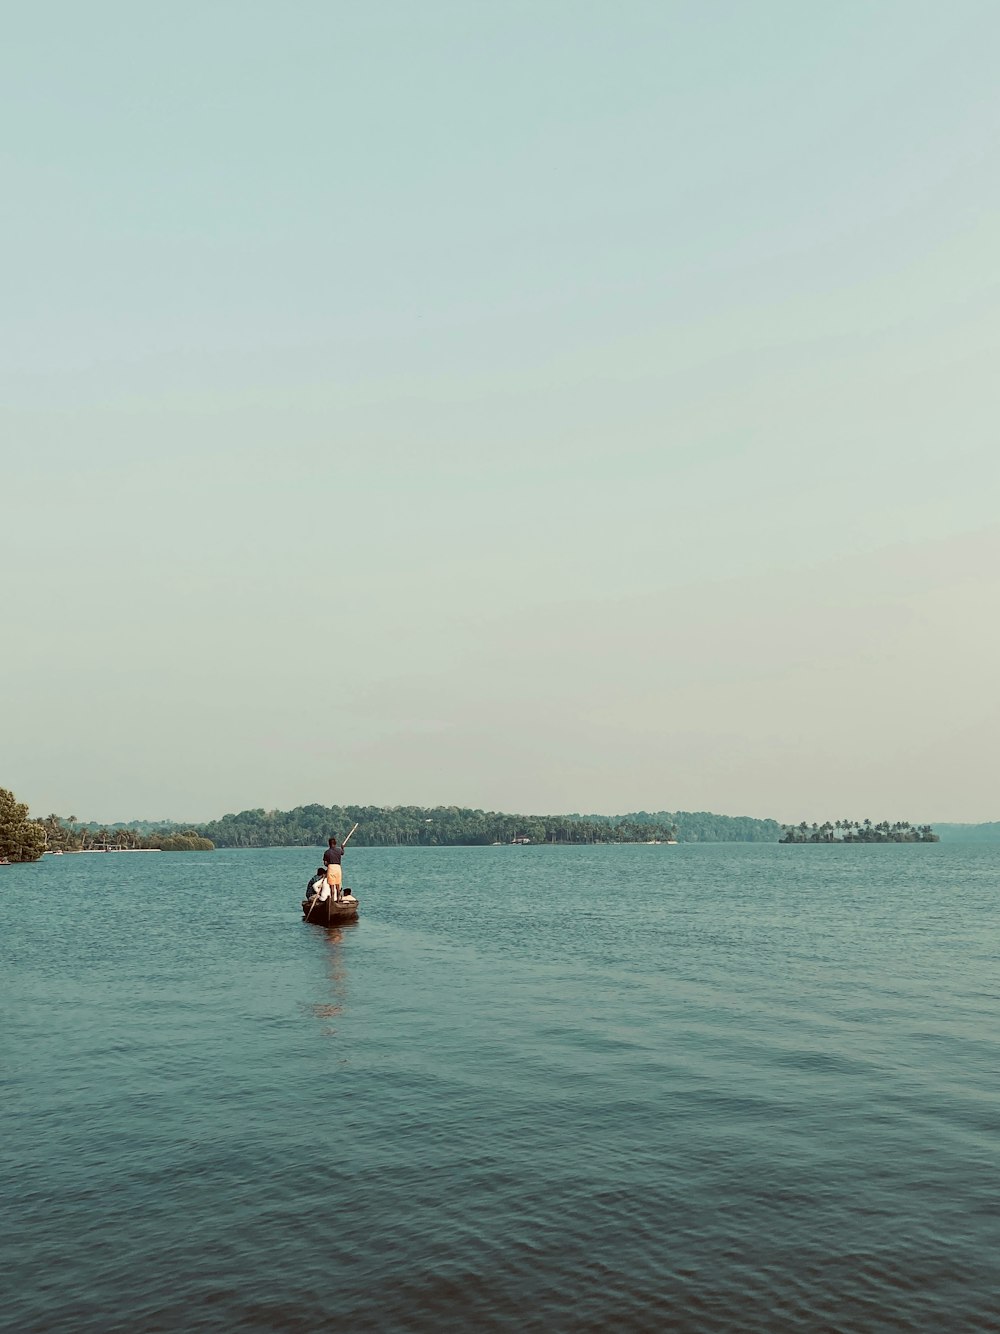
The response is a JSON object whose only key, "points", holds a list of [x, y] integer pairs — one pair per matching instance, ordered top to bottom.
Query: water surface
{"points": [[732, 1087]]}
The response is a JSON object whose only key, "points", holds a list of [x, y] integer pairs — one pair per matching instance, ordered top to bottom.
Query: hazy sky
{"points": [[538, 406]]}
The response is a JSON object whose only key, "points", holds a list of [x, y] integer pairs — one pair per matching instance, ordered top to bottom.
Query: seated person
{"points": [[318, 876]]}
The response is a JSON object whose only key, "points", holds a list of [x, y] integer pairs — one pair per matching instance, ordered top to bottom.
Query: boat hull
{"points": [[330, 913]]}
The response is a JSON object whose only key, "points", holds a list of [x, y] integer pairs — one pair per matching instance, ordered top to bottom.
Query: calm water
{"points": [[691, 1088]]}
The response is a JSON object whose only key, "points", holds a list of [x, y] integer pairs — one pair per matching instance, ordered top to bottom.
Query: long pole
{"points": [[342, 847]]}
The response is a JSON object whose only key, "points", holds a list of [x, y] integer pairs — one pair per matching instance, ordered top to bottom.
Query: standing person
{"points": [[332, 859]]}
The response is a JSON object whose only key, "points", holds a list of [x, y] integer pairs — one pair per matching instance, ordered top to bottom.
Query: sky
{"points": [[532, 406]]}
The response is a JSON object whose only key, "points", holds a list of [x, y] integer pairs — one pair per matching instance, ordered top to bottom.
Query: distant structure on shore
{"points": [[858, 831]]}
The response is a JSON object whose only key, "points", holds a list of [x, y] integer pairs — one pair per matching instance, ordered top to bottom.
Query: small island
{"points": [[858, 831]]}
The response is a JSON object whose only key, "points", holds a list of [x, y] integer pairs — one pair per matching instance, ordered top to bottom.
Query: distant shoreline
{"points": [[87, 852]]}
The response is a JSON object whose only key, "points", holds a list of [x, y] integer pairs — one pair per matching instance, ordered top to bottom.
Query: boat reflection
{"points": [[328, 1010]]}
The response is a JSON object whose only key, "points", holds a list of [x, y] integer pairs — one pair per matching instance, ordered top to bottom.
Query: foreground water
{"points": [[692, 1088]]}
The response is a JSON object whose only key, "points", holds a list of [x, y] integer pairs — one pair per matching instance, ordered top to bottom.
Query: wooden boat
{"points": [[331, 913]]}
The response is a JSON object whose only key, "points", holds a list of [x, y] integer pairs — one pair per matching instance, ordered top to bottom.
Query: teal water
{"points": [[737, 1087]]}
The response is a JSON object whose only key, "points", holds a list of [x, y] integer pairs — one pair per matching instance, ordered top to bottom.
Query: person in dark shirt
{"points": [[332, 859]]}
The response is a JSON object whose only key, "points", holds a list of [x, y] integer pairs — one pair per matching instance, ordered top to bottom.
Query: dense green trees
{"points": [[396, 826], [443, 826], [707, 827], [858, 831], [67, 834], [59, 837], [21, 839], [189, 841]]}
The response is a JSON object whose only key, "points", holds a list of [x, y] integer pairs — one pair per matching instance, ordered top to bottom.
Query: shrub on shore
{"points": [[186, 842]]}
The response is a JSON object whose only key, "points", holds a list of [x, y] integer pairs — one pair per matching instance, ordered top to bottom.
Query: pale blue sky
{"points": [[535, 406]]}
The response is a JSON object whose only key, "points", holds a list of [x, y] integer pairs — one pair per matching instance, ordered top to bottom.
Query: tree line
{"points": [[449, 826], [858, 831], [67, 834], [23, 839]]}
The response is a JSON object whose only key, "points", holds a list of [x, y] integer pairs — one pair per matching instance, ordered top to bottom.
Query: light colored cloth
{"points": [[335, 877], [324, 890]]}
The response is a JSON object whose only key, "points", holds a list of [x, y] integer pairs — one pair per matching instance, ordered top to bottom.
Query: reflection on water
{"points": [[336, 972]]}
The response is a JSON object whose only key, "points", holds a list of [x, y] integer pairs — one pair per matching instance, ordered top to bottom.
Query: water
{"points": [[641, 1088]]}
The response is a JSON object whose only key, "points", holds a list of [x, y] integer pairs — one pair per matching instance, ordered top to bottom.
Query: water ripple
{"points": [[759, 1095]]}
